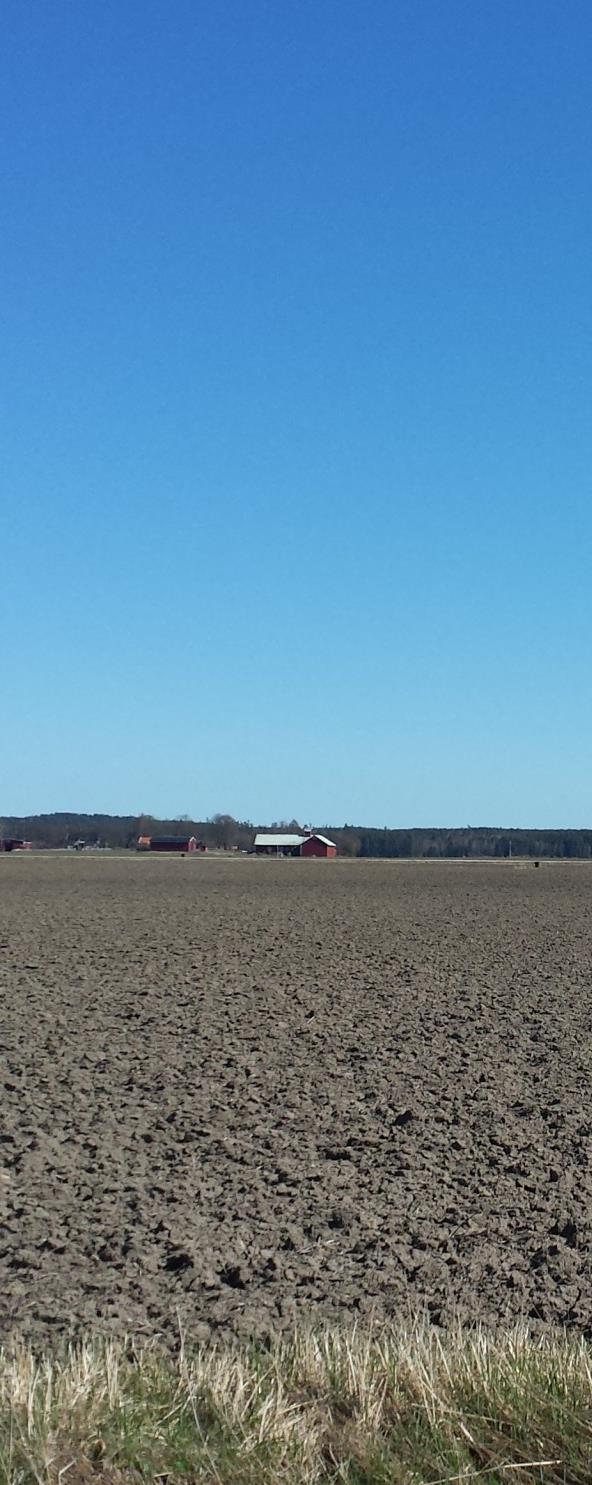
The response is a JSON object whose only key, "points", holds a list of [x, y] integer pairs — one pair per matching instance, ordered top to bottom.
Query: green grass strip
{"points": [[392, 1407]]}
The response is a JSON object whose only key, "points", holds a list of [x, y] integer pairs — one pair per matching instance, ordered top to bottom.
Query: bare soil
{"points": [[238, 1092]]}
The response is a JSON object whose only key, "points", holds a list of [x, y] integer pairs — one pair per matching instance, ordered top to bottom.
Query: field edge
{"points": [[401, 1404]]}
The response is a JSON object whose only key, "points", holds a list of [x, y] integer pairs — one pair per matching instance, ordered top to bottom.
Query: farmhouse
{"points": [[269, 843], [170, 844]]}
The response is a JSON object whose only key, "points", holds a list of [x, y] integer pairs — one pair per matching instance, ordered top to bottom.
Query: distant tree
{"points": [[224, 830]]}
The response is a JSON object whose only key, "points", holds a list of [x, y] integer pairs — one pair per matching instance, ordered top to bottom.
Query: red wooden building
{"points": [[269, 843], [171, 844], [318, 845]]}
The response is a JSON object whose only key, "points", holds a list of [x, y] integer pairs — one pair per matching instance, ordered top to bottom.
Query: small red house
{"points": [[173, 843], [318, 845]]}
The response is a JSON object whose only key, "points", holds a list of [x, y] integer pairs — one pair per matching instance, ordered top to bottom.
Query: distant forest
{"points": [[222, 832]]}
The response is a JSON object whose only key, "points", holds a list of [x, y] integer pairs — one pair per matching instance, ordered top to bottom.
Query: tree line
{"points": [[223, 832]]}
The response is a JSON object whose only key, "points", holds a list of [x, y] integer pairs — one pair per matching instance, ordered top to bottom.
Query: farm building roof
{"points": [[315, 836], [263, 839], [167, 840]]}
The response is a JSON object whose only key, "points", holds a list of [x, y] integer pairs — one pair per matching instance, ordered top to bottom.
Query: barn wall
{"points": [[314, 847], [168, 848]]}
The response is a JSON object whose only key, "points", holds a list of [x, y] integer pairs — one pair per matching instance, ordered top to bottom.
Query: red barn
{"points": [[268, 843], [318, 845]]}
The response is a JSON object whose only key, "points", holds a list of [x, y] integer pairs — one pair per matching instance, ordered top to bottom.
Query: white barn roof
{"points": [[316, 836], [279, 840]]}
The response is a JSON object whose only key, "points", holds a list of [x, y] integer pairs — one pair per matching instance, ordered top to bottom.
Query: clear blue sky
{"points": [[296, 441]]}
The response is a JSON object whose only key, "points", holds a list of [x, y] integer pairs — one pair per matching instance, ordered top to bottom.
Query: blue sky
{"points": [[296, 440]]}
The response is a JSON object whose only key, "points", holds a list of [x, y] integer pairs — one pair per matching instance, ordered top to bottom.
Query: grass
{"points": [[397, 1406]]}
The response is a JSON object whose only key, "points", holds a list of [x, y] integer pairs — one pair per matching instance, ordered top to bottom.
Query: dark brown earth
{"points": [[238, 1091]]}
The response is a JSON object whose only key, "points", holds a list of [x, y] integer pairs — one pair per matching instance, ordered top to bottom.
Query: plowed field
{"points": [[234, 1092]]}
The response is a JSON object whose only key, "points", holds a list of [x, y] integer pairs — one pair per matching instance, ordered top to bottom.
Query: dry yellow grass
{"points": [[402, 1406]]}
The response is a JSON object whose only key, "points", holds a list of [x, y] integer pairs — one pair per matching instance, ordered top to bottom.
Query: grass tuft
{"points": [[390, 1407]]}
